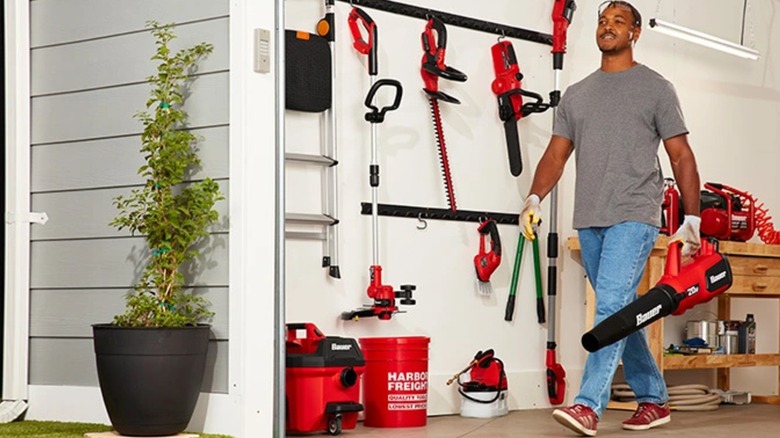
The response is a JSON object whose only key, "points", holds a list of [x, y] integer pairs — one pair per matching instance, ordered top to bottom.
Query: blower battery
{"points": [[322, 381]]}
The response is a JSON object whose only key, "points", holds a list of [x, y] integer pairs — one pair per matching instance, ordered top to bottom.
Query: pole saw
{"points": [[562, 14]]}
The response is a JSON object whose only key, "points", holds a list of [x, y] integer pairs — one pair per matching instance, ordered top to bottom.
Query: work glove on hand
{"points": [[530, 216], [688, 234]]}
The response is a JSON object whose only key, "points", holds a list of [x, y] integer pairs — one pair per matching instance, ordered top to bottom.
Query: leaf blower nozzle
{"points": [[705, 276]]}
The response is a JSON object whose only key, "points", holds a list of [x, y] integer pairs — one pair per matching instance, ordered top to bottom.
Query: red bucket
{"points": [[395, 381]]}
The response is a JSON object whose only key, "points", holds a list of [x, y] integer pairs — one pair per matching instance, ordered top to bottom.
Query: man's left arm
{"points": [[687, 176]]}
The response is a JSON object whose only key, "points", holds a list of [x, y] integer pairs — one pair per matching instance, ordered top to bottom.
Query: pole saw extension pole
{"points": [[563, 11]]}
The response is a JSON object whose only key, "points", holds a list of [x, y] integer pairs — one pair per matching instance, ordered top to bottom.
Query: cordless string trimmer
{"points": [[384, 305]]}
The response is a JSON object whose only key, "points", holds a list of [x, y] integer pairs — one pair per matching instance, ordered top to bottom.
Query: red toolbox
{"points": [[322, 380]]}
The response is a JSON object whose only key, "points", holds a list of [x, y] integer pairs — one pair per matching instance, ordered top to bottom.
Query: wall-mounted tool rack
{"points": [[454, 20], [467, 23], [444, 214]]}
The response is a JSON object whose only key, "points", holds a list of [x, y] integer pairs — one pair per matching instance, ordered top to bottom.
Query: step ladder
{"points": [[327, 160]]}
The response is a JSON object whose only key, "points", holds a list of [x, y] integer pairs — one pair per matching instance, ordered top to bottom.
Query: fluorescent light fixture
{"points": [[703, 39]]}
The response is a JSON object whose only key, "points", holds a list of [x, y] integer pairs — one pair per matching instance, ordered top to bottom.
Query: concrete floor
{"points": [[756, 420]]}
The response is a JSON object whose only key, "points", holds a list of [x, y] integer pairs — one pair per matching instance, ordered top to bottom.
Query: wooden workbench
{"points": [[756, 271]]}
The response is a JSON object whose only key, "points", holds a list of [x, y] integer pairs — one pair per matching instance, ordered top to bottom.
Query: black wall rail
{"points": [[455, 20], [440, 213]]}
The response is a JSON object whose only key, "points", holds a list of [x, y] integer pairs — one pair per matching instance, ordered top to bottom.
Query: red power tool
{"points": [[432, 68], [507, 88], [670, 208], [727, 213], [486, 262], [705, 276], [384, 305], [486, 374]]}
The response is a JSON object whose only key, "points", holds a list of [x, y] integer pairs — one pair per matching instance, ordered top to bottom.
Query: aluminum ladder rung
{"points": [[310, 159], [308, 218], [303, 235]]}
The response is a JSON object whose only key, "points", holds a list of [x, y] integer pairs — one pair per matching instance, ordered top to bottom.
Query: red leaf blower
{"points": [[706, 276]]}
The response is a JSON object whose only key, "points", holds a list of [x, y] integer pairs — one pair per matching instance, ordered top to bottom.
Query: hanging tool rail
{"points": [[455, 20], [446, 214]]}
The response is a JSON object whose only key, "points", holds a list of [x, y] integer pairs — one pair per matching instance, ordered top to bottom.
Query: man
{"points": [[614, 121]]}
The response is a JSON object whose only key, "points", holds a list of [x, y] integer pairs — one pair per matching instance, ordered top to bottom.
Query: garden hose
{"points": [[681, 397]]}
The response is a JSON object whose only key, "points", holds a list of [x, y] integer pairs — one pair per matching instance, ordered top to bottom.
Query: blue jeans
{"points": [[614, 259]]}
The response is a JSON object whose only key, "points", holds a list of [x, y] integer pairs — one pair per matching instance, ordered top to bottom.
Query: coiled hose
{"points": [[765, 227], [681, 397]]}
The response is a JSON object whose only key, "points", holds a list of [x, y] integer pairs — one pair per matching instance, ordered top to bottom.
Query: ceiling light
{"points": [[703, 39]]}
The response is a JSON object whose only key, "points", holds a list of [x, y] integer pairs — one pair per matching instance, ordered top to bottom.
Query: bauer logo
{"points": [[719, 276], [644, 317], [340, 347]]}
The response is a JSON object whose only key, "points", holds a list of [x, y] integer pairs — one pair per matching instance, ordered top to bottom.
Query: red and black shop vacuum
{"points": [[705, 276], [322, 381]]}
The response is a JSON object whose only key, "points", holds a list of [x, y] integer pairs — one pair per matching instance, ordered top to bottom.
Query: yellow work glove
{"points": [[530, 216], [688, 234]]}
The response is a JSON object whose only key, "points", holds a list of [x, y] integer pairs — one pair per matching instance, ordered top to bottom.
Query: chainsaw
{"points": [[433, 67], [507, 88], [705, 276]]}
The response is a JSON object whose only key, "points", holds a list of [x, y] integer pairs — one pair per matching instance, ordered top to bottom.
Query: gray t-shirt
{"points": [[616, 122]]}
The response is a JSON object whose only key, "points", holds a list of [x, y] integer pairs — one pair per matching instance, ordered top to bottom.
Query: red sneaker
{"points": [[648, 416], [578, 418]]}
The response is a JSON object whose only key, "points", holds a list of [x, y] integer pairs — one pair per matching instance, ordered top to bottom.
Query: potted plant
{"points": [[151, 358]]}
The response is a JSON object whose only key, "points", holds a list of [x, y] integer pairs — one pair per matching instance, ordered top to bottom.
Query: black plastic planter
{"points": [[150, 378]]}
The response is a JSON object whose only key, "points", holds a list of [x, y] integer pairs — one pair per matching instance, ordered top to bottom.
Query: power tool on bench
{"points": [[727, 213], [705, 276]]}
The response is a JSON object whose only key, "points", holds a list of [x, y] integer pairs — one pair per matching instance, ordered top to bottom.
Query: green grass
{"points": [[54, 429]]}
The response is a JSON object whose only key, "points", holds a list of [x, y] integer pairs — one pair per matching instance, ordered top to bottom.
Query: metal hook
{"points": [[502, 36], [423, 223]]}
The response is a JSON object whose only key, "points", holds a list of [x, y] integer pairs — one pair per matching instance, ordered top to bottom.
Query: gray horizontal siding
{"points": [[62, 21], [120, 60], [89, 63], [109, 112], [82, 164], [87, 213], [112, 263], [61, 313], [72, 360]]}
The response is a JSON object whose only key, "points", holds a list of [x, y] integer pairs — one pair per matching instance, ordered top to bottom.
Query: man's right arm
{"points": [[550, 166]]}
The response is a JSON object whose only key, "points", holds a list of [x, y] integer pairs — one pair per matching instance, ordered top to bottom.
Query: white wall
{"points": [[730, 105]]}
